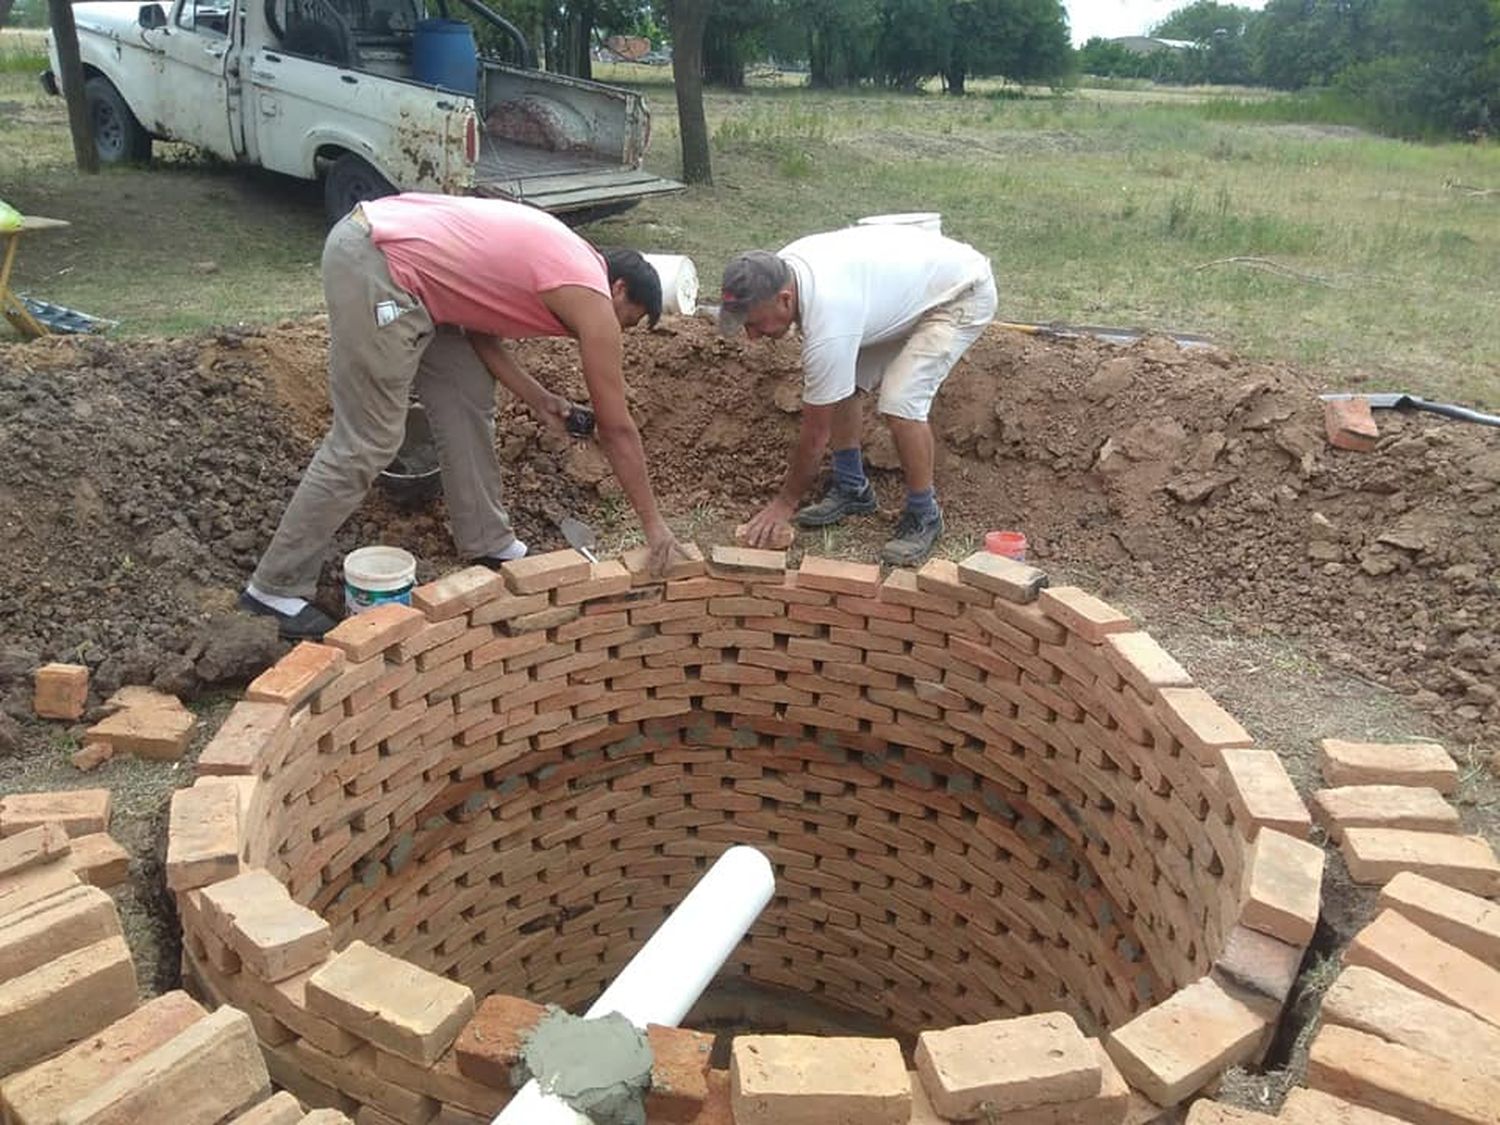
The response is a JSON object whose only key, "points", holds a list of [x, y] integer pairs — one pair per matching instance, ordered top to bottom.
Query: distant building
{"points": [[1150, 44]]}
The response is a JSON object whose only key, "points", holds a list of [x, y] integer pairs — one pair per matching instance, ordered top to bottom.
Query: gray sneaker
{"points": [[837, 503], [914, 539]]}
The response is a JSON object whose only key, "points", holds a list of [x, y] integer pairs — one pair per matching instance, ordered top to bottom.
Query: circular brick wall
{"points": [[982, 797]]}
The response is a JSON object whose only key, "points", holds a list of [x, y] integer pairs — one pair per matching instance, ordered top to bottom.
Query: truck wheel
{"points": [[118, 136], [349, 181]]}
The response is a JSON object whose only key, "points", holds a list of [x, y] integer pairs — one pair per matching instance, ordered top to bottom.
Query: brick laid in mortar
{"points": [[1261, 792], [274, 936], [818, 1080]]}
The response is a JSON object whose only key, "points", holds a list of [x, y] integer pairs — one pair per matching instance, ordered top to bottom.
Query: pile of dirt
{"points": [[139, 480]]}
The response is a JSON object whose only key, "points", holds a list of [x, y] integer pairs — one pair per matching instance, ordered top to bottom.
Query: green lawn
{"points": [[1309, 243]]}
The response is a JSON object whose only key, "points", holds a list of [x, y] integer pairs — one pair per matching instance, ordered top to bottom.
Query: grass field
{"points": [[1192, 210]]}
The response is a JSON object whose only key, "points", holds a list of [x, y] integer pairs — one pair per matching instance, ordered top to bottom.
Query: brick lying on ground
{"points": [[61, 691], [159, 729], [1398, 763], [1262, 793], [1415, 807], [78, 811], [33, 847], [1376, 855], [99, 860], [1459, 918], [58, 923], [1402, 950], [390, 1002], [1374, 1003], [57, 1004], [1174, 1049], [1008, 1065], [210, 1070], [818, 1080], [1399, 1081], [39, 1095], [1313, 1107], [1206, 1112]]}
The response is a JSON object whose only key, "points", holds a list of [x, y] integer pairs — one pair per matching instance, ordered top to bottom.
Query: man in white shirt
{"points": [[881, 308]]}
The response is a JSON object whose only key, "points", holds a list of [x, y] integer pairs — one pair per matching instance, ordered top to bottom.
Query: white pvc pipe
{"points": [[663, 981]]}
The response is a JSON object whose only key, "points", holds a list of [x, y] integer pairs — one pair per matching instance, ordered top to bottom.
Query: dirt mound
{"points": [[139, 480]]}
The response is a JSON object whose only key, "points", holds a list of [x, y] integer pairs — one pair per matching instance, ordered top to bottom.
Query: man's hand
{"points": [[552, 409], [770, 525], [662, 550]]}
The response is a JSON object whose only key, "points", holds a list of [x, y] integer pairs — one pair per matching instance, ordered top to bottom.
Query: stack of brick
{"points": [[984, 797], [1386, 807], [83, 814], [1410, 1029], [74, 1047]]}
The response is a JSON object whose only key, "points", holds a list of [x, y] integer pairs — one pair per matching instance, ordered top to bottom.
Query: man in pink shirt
{"points": [[422, 292]]}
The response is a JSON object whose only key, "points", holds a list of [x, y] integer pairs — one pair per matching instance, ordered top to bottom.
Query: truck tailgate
{"points": [[559, 181]]}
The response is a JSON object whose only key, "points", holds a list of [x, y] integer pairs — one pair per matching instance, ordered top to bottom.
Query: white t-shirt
{"points": [[865, 285]]}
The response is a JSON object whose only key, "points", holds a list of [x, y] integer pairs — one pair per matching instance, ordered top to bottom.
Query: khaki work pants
{"points": [[372, 370]]}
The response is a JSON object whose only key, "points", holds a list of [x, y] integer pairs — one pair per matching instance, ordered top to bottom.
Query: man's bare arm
{"points": [[496, 357]]}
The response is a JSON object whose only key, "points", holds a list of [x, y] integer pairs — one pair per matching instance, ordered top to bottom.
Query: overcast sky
{"points": [[1107, 18]]}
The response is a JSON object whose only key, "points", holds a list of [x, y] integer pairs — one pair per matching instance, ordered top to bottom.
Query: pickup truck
{"points": [[325, 89]]}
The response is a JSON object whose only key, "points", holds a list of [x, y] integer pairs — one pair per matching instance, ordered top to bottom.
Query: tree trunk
{"points": [[5, 6], [688, 18], [65, 36], [955, 81]]}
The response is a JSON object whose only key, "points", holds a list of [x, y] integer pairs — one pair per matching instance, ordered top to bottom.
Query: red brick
{"points": [[1350, 424], [637, 558], [747, 563], [535, 574], [838, 576], [941, 577], [606, 579], [1011, 580], [900, 588], [457, 592], [506, 607], [1082, 613], [376, 629], [1143, 663], [293, 679], [61, 691], [1199, 723], [161, 733], [91, 756], [1373, 763], [1262, 794], [1417, 808], [78, 812], [203, 835], [32, 847], [1375, 855], [99, 861], [1283, 887], [1457, 917], [66, 918], [274, 936], [1405, 952], [1258, 963], [1375, 1004], [55, 1005], [490, 1043], [1179, 1046], [1008, 1065], [210, 1070], [679, 1073], [818, 1080], [1396, 1080], [41, 1095], [1313, 1107], [284, 1109], [1205, 1112]]}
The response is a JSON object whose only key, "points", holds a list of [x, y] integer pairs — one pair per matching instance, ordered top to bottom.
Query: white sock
{"points": [[516, 550], [289, 606]]}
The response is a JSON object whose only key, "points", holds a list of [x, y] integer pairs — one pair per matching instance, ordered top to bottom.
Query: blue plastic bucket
{"points": [[443, 53]]}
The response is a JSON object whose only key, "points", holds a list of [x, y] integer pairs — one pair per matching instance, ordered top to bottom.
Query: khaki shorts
{"points": [[909, 371]]}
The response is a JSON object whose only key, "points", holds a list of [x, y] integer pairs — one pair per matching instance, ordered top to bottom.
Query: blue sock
{"points": [[849, 469], [923, 504]]}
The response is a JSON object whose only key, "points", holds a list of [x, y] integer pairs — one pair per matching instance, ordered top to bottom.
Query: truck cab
{"points": [[330, 89]]}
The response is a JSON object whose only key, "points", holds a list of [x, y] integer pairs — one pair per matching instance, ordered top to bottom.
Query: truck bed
{"points": [[558, 181]]}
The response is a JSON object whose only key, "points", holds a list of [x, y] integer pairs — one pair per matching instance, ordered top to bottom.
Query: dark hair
{"points": [[642, 282]]}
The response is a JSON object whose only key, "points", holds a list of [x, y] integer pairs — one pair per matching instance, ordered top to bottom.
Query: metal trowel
{"points": [[580, 536]]}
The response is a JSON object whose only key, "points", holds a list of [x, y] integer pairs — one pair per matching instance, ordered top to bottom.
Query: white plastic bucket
{"points": [[927, 220], [679, 283], [377, 575]]}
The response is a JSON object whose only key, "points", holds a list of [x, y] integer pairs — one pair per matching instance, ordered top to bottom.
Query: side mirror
{"points": [[151, 16]]}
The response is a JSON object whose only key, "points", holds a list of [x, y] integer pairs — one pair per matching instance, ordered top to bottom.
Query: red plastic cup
{"points": [[1011, 544]]}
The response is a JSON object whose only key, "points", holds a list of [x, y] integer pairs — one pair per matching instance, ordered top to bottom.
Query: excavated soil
{"points": [[140, 479]]}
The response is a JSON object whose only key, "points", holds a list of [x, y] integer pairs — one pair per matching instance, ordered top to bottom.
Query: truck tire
{"points": [[118, 136], [351, 180]]}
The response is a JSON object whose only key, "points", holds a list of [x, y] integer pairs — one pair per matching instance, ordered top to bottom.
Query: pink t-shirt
{"points": [[480, 264]]}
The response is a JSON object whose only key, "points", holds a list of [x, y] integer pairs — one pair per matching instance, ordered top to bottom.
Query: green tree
{"points": [[1202, 20], [1297, 43]]}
